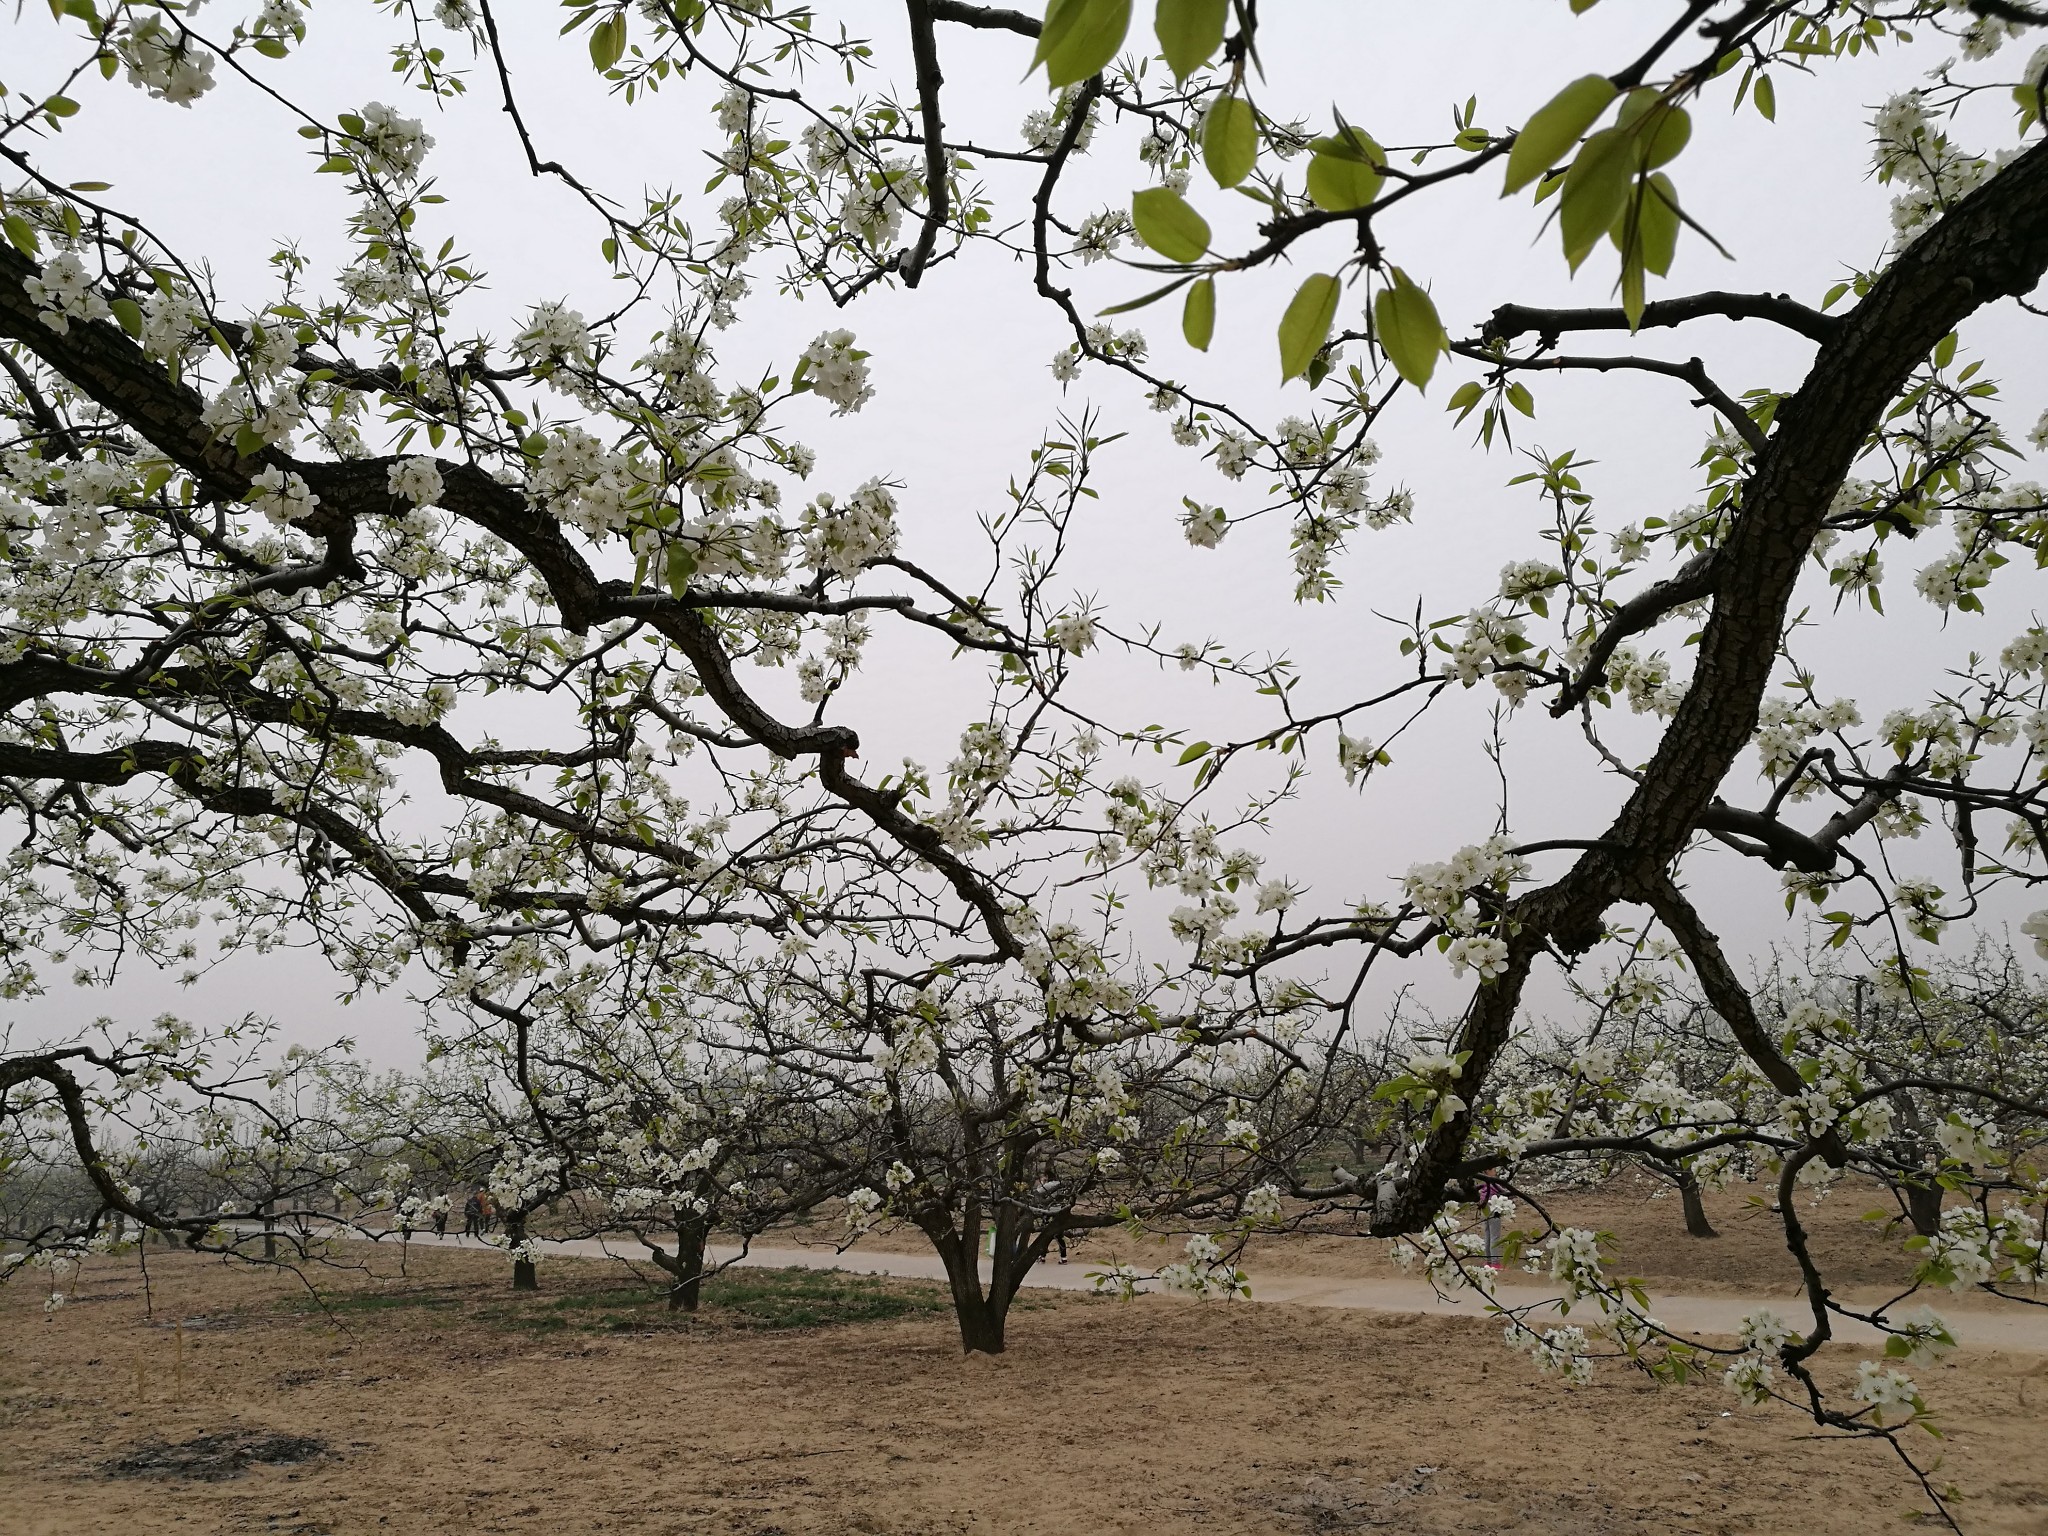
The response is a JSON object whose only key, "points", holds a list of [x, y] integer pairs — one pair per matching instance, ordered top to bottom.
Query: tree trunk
{"points": [[1923, 1208], [1696, 1222], [269, 1234], [685, 1270], [524, 1275], [981, 1316], [981, 1324]]}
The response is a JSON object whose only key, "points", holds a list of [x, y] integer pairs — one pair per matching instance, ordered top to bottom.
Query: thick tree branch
{"points": [[984, 17], [924, 53], [1991, 245], [1512, 320], [1692, 371], [1694, 580]]}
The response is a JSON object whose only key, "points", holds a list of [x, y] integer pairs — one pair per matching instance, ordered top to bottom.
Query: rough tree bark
{"points": [[1991, 245], [1923, 1207], [1696, 1223], [684, 1267]]}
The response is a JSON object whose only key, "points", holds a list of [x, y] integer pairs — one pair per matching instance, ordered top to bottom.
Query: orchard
{"points": [[1188, 618]]}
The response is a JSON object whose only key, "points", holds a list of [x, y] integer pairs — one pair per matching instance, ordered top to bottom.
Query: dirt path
{"points": [[2011, 1327]]}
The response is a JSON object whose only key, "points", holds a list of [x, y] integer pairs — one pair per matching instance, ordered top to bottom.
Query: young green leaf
{"points": [[1190, 32], [1079, 37], [608, 41], [2031, 96], [1556, 126], [1661, 129], [1230, 140], [1345, 172], [1595, 189], [1657, 223], [1168, 225], [21, 234], [1632, 296], [1124, 308], [1198, 315], [1405, 320], [1306, 325], [682, 565]]}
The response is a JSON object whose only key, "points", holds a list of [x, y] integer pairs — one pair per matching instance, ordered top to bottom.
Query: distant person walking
{"points": [[1488, 1193], [1046, 1206], [488, 1210], [472, 1213], [441, 1218]]}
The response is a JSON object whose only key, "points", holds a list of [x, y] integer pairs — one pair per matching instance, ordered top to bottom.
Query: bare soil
{"points": [[827, 1404]]}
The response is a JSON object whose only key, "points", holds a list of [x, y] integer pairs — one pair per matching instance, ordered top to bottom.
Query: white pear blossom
{"points": [[838, 372], [416, 480]]}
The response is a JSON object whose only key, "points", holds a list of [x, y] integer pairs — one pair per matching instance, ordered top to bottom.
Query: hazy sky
{"points": [[964, 390]]}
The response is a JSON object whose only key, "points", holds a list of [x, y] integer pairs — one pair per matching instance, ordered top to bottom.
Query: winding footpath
{"points": [[2003, 1326]]}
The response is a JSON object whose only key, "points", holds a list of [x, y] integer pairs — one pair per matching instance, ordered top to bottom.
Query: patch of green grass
{"points": [[817, 1298], [750, 1299], [753, 1299]]}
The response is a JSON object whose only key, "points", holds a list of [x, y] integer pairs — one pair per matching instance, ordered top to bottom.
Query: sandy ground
{"points": [[447, 1404]]}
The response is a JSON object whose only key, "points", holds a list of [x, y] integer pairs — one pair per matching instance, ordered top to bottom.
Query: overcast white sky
{"points": [[963, 387]]}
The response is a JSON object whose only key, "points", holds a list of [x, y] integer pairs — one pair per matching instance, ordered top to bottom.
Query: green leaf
{"points": [[1190, 32], [1079, 37], [608, 41], [1765, 95], [2028, 95], [61, 106], [1555, 128], [1661, 129], [1668, 132], [1230, 140], [1345, 172], [1595, 188], [1657, 223], [1167, 224], [21, 234], [1632, 296], [1120, 309], [129, 314], [1198, 315], [1405, 321], [1306, 325], [682, 565], [1198, 749]]}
